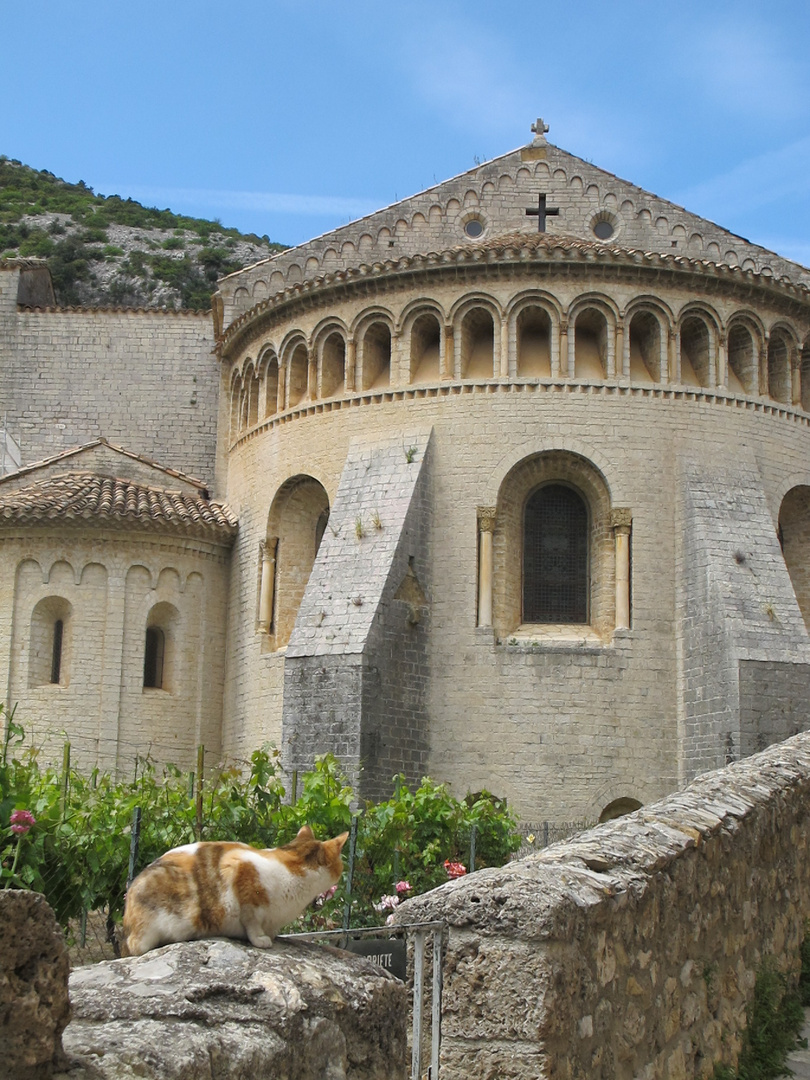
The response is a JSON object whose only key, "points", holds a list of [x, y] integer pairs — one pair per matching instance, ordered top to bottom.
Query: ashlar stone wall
{"points": [[630, 951]]}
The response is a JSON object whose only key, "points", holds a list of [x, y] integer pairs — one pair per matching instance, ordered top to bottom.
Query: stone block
{"points": [[34, 1006]]}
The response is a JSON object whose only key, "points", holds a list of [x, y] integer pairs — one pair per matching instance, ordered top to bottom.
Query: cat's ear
{"points": [[304, 833], [341, 840]]}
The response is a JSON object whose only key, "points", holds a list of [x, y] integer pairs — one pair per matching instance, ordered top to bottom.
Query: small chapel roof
{"points": [[90, 497]]}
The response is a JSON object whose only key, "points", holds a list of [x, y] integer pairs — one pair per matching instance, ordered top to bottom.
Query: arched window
{"points": [[533, 343], [555, 556], [49, 643], [160, 649], [153, 657]]}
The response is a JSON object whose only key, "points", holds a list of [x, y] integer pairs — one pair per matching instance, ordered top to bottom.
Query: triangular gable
{"points": [[498, 194], [106, 459]]}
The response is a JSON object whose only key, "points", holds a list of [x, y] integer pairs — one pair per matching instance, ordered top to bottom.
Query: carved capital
{"points": [[486, 518], [621, 518], [267, 549]]}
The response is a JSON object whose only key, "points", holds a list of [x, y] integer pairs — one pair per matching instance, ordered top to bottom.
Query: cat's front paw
{"points": [[261, 941]]}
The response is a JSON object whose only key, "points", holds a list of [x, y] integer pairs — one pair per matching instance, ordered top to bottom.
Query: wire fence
{"points": [[94, 833]]}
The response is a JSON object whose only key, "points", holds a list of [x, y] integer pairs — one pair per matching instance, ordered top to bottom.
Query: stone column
{"points": [[613, 348], [625, 348], [572, 351], [559, 356], [446, 360], [722, 361], [351, 364], [675, 365], [763, 367], [502, 370], [312, 376], [795, 376], [621, 520], [486, 563], [268, 581]]}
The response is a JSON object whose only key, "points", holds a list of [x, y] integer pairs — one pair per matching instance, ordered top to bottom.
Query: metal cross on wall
{"points": [[542, 212]]}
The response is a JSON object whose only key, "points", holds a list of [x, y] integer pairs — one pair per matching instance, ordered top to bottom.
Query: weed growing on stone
{"points": [[775, 1017]]}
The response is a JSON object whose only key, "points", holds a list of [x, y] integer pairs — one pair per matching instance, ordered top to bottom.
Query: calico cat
{"points": [[221, 889]]}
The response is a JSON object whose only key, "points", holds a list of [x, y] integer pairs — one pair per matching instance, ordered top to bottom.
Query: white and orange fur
{"points": [[222, 889]]}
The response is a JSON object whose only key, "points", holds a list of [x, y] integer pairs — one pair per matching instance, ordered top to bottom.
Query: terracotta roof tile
{"points": [[100, 499]]}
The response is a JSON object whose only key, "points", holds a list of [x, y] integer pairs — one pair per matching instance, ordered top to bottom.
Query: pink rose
{"points": [[403, 887]]}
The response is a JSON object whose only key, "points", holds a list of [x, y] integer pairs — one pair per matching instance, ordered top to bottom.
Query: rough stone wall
{"points": [[145, 379], [739, 609], [355, 667], [630, 952], [34, 1005], [222, 1010]]}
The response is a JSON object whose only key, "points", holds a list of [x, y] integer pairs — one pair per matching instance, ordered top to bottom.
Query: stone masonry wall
{"points": [[147, 380], [739, 607], [355, 668], [630, 952]]}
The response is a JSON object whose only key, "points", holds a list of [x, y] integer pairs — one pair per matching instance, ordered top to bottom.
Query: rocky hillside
{"points": [[110, 251]]}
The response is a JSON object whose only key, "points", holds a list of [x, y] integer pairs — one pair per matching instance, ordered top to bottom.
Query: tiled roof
{"points": [[510, 248], [76, 451], [90, 497]]}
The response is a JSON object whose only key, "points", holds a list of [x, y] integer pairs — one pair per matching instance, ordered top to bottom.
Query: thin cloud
{"points": [[744, 68], [760, 181], [326, 206]]}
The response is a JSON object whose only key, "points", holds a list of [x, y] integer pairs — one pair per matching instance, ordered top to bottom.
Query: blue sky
{"points": [[289, 118]]}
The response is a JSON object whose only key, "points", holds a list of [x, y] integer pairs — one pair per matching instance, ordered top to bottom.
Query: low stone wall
{"points": [[630, 951], [222, 1010]]}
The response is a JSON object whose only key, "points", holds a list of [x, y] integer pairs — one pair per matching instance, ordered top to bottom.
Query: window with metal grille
{"points": [[555, 556]]}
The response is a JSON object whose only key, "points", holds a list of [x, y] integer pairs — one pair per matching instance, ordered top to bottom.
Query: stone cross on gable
{"points": [[539, 128], [542, 212]]}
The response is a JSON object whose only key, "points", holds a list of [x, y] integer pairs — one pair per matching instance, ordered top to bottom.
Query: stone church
{"points": [[507, 483]]}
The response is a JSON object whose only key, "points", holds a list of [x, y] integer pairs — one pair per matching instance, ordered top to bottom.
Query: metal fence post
{"points": [[65, 778], [199, 808], [473, 831], [134, 841], [347, 910], [418, 994], [436, 1006]]}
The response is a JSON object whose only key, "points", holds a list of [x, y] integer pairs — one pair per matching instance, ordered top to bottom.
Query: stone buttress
{"points": [[355, 670]]}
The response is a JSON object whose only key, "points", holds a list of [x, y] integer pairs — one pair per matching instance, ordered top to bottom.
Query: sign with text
{"points": [[389, 953]]}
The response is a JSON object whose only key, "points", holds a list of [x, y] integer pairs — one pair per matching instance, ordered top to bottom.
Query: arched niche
{"points": [[533, 328], [477, 344], [590, 344], [645, 348], [425, 350], [696, 352], [376, 356], [743, 360], [333, 365], [779, 367], [270, 371], [805, 377], [297, 379], [236, 404], [295, 527], [794, 536], [50, 642], [619, 808]]}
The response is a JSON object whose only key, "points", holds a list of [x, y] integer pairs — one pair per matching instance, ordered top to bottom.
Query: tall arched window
{"points": [[555, 556], [49, 643]]}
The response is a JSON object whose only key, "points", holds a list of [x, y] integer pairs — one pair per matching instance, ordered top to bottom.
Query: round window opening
{"points": [[474, 228], [603, 230]]}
